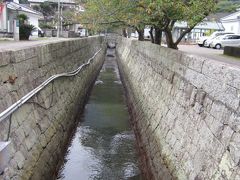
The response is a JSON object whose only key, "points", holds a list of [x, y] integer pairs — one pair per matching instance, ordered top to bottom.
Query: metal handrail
{"points": [[20, 102]]}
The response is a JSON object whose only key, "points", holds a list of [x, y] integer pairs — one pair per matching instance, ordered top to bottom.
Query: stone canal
{"points": [[184, 112], [103, 146]]}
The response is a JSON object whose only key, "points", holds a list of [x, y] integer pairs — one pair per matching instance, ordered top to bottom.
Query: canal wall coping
{"points": [[185, 111], [39, 130]]}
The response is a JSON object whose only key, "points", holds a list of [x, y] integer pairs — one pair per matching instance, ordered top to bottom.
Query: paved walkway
{"points": [[13, 45], [191, 49], [210, 53]]}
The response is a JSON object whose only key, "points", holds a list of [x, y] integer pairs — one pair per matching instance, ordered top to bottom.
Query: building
{"points": [[64, 3], [67, 9], [9, 12], [231, 22], [199, 30]]}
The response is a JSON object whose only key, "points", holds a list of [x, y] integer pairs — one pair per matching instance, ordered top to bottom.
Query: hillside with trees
{"points": [[228, 6]]}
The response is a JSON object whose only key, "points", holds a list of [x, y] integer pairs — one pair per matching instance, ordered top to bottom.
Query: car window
{"points": [[227, 37], [234, 37]]}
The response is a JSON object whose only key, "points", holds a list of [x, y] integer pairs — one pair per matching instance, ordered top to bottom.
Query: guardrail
{"points": [[19, 103]]}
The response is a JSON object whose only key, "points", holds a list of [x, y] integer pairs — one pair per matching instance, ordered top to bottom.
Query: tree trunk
{"points": [[124, 32], [140, 34], [151, 34], [183, 34], [158, 36], [169, 39]]}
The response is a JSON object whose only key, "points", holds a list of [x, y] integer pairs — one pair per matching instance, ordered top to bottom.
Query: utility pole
{"points": [[61, 18], [58, 24]]}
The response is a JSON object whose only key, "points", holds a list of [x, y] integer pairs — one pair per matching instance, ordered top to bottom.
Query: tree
{"points": [[23, 2], [228, 5], [49, 10], [193, 12], [165, 13], [106, 14], [160, 15]]}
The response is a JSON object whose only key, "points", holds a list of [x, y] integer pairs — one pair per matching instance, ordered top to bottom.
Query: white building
{"points": [[65, 3], [64, 6], [10, 11], [231, 22], [199, 30]]}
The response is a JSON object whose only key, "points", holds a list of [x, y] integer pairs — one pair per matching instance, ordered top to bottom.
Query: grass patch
{"points": [[230, 57]]}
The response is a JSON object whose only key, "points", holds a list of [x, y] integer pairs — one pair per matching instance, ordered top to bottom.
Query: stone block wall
{"points": [[232, 51], [185, 111], [40, 129]]}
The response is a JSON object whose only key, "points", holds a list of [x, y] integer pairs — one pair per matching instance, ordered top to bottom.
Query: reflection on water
{"points": [[104, 145]]}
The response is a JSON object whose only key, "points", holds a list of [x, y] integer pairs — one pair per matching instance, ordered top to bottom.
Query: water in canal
{"points": [[103, 146]]}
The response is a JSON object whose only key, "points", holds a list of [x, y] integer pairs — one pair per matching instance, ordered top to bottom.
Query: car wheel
{"points": [[204, 43], [200, 45], [218, 46]]}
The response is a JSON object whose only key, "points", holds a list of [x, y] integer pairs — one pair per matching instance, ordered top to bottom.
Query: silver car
{"points": [[211, 38], [226, 40]]}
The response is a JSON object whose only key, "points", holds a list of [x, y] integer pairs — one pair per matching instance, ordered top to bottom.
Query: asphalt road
{"points": [[210, 53]]}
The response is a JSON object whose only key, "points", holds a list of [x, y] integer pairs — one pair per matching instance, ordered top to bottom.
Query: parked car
{"points": [[37, 32], [40, 32], [202, 40], [210, 40], [226, 40]]}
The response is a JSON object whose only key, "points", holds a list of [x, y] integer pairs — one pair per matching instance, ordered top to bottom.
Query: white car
{"points": [[38, 32], [207, 39], [226, 40]]}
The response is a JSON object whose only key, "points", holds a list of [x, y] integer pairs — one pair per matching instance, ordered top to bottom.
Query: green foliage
{"points": [[23, 2], [228, 5], [36, 8], [46, 8], [191, 11], [50, 12], [134, 13], [104, 14], [161, 14], [68, 17], [22, 18], [44, 25], [25, 29]]}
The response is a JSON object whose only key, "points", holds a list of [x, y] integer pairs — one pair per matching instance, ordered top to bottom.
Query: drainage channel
{"points": [[104, 146]]}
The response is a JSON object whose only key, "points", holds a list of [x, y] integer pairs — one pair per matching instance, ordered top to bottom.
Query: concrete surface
{"points": [[7, 45]]}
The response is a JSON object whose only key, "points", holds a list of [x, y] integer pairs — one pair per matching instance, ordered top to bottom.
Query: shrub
{"points": [[22, 18], [45, 26], [25, 31]]}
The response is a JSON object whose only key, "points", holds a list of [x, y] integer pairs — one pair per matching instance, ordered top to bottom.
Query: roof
{"points": [[54, 1], [24, 8], [217, 16], [232, 17], [203, 25]]}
